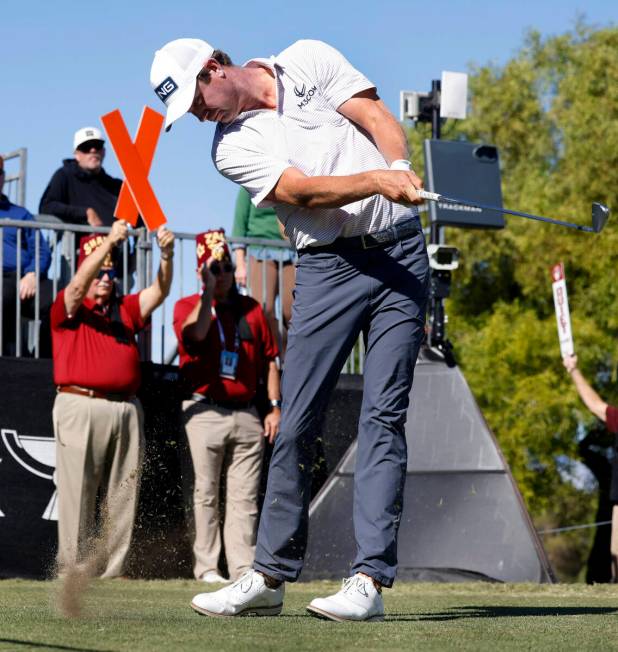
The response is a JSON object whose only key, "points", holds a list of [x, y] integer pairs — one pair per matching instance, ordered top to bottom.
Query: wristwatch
{"points": [[275, 402]]}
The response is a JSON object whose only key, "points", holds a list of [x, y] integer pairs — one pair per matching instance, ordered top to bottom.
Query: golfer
{"points": [[306, 132]]}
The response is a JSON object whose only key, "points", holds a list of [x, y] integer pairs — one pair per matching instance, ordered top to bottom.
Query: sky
{"points": [[66, 63]]}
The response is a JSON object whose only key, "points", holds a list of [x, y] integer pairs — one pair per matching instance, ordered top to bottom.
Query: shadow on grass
{"points": [[504, 612], [51, 646]]}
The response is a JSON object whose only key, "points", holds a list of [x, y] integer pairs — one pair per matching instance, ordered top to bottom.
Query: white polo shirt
{"points": [[306, 132]]}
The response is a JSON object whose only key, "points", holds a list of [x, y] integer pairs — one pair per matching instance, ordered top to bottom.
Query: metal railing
{"points": [[15, 179], [137, 272]]}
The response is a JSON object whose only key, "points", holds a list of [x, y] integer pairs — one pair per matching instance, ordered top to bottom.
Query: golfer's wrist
{"points": [[401, 164]]}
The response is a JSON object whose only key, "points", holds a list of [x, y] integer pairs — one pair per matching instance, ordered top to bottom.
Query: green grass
{"points": [[136, 616]]}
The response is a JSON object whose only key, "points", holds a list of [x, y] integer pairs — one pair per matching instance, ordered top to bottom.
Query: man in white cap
{"points": [[306, 132], [81, 192]]}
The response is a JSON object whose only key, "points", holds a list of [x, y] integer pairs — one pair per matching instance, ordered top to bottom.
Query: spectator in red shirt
{"points": [[226, 350], [609, 415], [98, 421]]}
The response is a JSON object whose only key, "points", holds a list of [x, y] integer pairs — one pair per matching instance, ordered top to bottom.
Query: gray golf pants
{"points": [[381, 292]]}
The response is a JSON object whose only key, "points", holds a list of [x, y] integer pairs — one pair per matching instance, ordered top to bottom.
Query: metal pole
{"points": [[23, 161], [435, 232], [72, 254], [181, 261], [264, 263], [55, 264], [125, 267], [249, 285], [280, 291], [37, 296], [17, 298], [436, 304], [163, 332], [147, 346], [361, 354]]}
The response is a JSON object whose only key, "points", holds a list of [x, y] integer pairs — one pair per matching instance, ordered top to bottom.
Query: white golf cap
{"points": [[173, 74], [85, 134]]}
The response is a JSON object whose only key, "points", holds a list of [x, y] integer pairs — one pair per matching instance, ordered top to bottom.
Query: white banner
{"points": [[561, 304]]}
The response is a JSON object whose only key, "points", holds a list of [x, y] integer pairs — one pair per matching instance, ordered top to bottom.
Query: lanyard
{"points": [[222, 334]]}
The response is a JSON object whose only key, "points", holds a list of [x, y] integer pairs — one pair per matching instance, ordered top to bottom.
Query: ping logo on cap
{"points": [[165, 89], [90, 133]]}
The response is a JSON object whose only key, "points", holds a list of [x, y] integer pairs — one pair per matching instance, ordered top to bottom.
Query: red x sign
{"points": [[136, 194]]}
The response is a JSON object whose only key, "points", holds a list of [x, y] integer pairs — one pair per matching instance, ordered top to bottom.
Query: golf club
{"points": [[600, 212]]}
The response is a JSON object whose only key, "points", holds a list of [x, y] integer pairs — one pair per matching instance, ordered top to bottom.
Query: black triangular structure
{"points": [[463, 516]]}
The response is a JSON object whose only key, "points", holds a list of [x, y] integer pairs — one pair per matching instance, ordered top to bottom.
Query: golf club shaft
{"points": [[434, 196]]}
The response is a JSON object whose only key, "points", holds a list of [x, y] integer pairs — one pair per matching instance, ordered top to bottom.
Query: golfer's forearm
{"points": [[370, 113], [390, 139], [326, 192], [590, 398]]}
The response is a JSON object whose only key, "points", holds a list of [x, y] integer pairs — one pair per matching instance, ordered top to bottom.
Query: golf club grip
{"points": [[431, 196]]}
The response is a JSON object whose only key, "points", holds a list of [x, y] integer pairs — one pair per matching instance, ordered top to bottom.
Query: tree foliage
{"points": [[552, 111]]}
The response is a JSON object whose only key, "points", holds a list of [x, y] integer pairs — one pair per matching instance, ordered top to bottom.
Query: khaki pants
{"points": [[226, 443], [99, 444]]}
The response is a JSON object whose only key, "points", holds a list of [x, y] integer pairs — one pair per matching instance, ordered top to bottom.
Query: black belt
{"points": [[368, 240], [226, 405]]}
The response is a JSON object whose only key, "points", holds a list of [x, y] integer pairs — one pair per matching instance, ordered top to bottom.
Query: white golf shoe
{"points": [[247, 596], [358, 599]]}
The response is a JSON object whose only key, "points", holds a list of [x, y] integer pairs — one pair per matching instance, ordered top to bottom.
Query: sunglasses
{"points": [[90, 144], [217, 268], [111, 274]]}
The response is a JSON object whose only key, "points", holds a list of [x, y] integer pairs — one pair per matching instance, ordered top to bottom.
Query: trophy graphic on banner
{"points": [[37, 455]]}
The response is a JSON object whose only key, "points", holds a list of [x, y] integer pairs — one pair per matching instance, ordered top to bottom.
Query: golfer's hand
{"points": [[399, 186], [119, 232], [165, 239], [570, 363], [271, 424]]}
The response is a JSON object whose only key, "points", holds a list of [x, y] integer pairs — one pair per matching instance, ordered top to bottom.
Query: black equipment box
{"points": [[464, 171]]}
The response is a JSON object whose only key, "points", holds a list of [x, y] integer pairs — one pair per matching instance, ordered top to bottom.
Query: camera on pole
{"points": [[465, 170], [442, 261]]}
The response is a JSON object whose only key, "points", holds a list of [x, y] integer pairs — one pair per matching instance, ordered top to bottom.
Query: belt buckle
{"points": [[371, 240], [364, 243]]}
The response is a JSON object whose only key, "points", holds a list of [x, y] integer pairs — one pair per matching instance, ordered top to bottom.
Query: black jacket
{"points": [[72, 190]]}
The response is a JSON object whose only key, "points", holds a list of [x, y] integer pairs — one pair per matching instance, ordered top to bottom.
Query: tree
{"points": [[552, 111]]}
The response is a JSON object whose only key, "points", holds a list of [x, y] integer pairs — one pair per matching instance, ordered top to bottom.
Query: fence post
{"points": [[21, 188]]}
